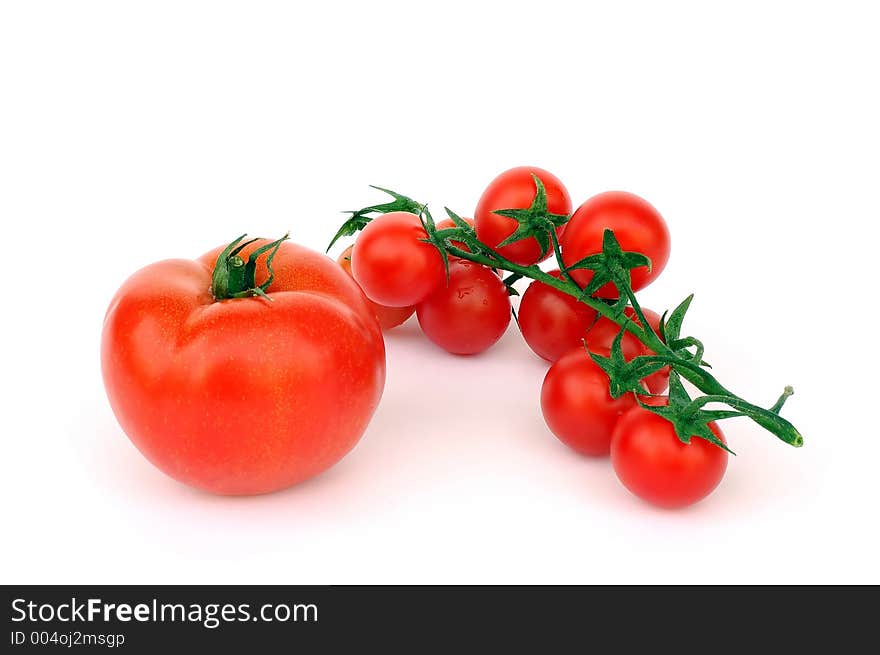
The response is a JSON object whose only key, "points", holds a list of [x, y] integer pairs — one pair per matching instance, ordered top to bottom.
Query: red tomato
{"points": [[515, 189], [447, 223], [637, 226], [392, 263], [469, 314], [389, 317], [553, 322], [602, 333], [243, 396], [577, 406], [656, 466]]}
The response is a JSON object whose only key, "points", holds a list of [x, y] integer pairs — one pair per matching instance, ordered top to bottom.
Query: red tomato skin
{"points": [[515, 189], [447, 223], [636, 224], [392, 263], [470, 313], [389, 317], [552, 322], [243, 396], [577, 406], [656, 466]]}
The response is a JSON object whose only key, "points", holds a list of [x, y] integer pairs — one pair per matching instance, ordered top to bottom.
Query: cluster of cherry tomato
{"points": [[465, 308]]}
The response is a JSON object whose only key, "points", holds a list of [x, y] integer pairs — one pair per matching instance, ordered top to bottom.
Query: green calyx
{"points": [[361, 217], [534, 221], [233, 277]]}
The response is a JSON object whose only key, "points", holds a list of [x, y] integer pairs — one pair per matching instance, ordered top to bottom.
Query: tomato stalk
{"points": [[613, 265], [233, 277]]}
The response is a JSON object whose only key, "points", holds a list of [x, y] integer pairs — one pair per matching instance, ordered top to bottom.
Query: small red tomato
{"points": [[516, 189], [448, 223], [637, 226], [393, 264], [470, 313], [389, 317], [553, 322], [602, 333], [577, 406], [651, 461]]}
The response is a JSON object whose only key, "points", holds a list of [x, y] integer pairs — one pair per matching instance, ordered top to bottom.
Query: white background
{"points": [[132, 132]]}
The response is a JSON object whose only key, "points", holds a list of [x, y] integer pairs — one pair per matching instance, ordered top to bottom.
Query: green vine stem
{"points": [[689, 416]]}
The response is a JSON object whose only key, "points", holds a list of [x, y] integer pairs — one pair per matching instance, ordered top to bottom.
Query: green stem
{"points": [[233, 277], [675, 355], [695, 374]]}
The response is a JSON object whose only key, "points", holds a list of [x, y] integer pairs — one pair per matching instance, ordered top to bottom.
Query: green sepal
{"points": [[360, 217], [534, 221], [463, 232], [434, 237], [612, 265], [234, 278], [509, 281], [671, 327], [625, 376], [687, 417]]}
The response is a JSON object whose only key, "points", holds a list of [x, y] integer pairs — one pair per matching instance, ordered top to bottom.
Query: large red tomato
{"points": [[516, 189], [637, 226], [389, 317], [243, 395], [577, 406], [654, 464]]}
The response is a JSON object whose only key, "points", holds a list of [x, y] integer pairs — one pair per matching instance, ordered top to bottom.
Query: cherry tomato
{"points": [[515, 189], [447, 223], [637, 226], [393, 264], [470, 313], [389, 317], [553, 322], [601, 335], [243, 395], [577, 406], [655, 465]]}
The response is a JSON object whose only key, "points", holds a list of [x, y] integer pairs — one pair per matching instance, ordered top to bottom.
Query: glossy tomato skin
{"points": [[515, 189], [636, 224], [392, 263], [470, 313], [389, 317], [552, 322], [243, 396], [577, 406], [651, 461]]}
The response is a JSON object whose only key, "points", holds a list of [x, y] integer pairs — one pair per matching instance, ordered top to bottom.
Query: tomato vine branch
{"points": [[612, 265]]}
